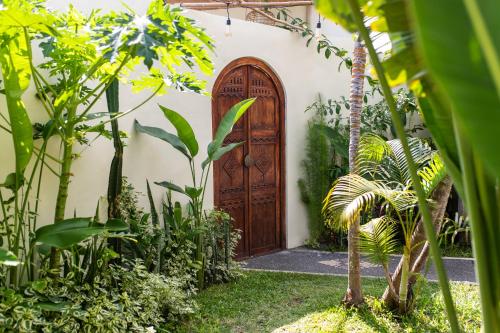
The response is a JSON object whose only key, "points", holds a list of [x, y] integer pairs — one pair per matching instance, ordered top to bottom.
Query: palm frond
{"points": [[372, 150], [420, 152], [385, 160], [432, 174], [351, 195], [378, 239]]}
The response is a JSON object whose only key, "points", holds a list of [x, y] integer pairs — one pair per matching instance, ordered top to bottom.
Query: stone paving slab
{"points": [[335, 263]]}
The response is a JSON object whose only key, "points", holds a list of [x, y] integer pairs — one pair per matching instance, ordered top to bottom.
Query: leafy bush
{"points": [[327, 149], [316, 182], [220, 245], [169, 247], [121, 300]]}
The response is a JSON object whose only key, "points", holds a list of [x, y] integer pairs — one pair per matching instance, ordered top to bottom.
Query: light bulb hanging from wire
{"points": [[228, 32], [317, 32]]}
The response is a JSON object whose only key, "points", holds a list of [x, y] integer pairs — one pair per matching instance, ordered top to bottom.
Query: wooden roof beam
{"points": [[244, 4]]}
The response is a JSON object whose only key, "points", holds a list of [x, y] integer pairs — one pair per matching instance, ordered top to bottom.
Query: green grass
{"points": [[287, 302]]}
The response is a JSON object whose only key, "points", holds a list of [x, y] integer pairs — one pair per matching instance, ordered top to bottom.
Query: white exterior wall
{"points": [[302, 71]]}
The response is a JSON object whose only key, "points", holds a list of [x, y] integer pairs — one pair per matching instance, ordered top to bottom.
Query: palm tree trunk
{"points": [[420, 253], [403, 286], [354, 295]]}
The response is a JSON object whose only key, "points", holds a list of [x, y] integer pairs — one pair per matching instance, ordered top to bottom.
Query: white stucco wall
{"points": [[302, 71]]}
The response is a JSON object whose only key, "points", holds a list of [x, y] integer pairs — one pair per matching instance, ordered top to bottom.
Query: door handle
{"points": [[249, 161]]}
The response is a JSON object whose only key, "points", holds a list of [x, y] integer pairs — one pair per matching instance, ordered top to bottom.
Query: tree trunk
{"points": [[115, 170], [62, 195], [420, 253], [403, 286], [354, 295]]}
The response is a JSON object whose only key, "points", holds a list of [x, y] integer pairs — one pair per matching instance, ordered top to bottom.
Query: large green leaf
{"points": [[337, 11], [15, 15], [452, 53], [16, 74], [437, 118], [227, 123], [184, 130], [165, 136], [224, 150], [221, 151], [171, 186], [193, 192], [70, 232], [8, 258]]}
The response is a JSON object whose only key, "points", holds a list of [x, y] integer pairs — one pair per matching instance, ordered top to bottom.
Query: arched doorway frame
{"points": [[269, 71]]}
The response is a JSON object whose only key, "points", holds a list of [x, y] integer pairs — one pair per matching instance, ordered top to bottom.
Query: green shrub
{"points": [[316, 182], [220, 245], [169, 247], [120, 300]]}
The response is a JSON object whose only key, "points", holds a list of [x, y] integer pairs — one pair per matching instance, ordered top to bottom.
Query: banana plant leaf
{"points": [[337, 11], [456, 59], [16, 74], [227, 123], [184, 130], [165, 136], [215, 150], [171, 186], [70, 232]]}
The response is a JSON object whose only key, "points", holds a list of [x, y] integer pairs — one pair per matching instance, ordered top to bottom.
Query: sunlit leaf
{"points": [[184, 130]]}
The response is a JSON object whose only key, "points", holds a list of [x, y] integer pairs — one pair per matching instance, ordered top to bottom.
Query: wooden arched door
{"points": [[249, 182]]}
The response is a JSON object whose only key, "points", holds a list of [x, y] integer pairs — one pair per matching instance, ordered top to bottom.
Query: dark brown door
{"points": [[248, 180]]}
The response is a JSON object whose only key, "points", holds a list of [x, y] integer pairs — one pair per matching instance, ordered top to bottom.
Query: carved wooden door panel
{"points": [[247, 181]]}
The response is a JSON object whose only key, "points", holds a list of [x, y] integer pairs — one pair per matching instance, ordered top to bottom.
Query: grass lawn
{"points": [[287, 302]]}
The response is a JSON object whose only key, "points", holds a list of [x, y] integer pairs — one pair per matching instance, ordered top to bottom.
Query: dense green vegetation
{"points": [[123, 269]]}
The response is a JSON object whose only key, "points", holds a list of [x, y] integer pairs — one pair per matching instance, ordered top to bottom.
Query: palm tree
{"points": [[383, 160], [384, 180], [420, 253], [354, 294]]}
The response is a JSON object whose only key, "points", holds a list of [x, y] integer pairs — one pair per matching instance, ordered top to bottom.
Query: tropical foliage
{"points": [[83, 55], [448, 63], [185, 142], [327, 148], [318, 168], [382, 192], [121, 270], [121, 300]]}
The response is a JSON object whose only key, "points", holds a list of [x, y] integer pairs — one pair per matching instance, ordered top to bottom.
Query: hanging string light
{"points": [[228, 32], [317, 32]]}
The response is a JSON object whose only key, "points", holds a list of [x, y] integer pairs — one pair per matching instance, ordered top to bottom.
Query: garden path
{"points": [[304, 260]]}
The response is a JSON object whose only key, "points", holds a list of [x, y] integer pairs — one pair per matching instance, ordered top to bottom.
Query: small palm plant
{"points": [[383, 182], [378, 241]]}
